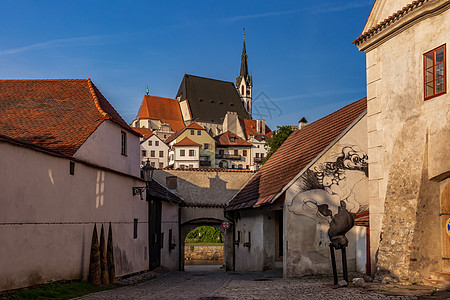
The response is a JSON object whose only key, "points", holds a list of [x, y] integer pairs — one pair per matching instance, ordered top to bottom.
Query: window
{"points": [[434, 72], [242, 90], [192, 132], [199, 132], [165, 136], [232, 139], [124, 143], [150, 143], [156, 143], [206, 146], [182, 152], [191, 152], [221, 152], [236, 152], [244, 152], [144, 153], [152, 153], [161, 153], [257, 155], [152, 164], [161, 165], [191, 166], [240, 166], [72, 168], [135, 228], [162, 240]]}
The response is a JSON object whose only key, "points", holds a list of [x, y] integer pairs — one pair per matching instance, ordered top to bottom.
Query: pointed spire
{"points": [[244, 65]]}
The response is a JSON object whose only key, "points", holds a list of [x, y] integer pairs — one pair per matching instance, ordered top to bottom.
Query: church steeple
{"points": [[244, 81]]}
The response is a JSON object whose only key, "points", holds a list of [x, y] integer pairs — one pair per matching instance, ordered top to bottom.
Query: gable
{"points": [[381, 10]]}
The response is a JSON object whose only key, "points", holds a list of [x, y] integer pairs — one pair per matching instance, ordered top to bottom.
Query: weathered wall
{"points": [[408, 144], [103, 148], [337, 178], [48, 216], [169, 222], [256, 257]]}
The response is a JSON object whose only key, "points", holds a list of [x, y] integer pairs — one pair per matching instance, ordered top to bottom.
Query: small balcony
{"points": [[228, 156], [258, 159]]}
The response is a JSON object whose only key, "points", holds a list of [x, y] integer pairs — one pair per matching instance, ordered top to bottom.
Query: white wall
{"points": [[103, 148], [156, 159], [56, 212]]}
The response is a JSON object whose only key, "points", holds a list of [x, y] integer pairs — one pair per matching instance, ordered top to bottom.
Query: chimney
{"points": [[302, 123], [258, 126], [263, 127], [171, 183]]}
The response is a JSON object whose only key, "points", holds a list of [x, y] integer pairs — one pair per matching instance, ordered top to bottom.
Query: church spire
{"points": [[244, 65], [244, 82]]}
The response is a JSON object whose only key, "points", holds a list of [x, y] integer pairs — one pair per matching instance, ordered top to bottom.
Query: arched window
{"points": [[242, 90]]}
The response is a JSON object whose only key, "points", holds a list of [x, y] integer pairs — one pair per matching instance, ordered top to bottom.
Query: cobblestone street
{"points": [[200, 282]]}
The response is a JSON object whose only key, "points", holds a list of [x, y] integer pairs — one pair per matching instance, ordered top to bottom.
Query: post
{"points": [[333, 265], [344, 265]]}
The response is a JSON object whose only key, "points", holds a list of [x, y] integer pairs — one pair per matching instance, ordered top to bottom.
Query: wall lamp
{"points": [[147, 174]]}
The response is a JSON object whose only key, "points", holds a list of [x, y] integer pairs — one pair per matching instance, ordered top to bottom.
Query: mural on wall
{"points": [[327, 187]]}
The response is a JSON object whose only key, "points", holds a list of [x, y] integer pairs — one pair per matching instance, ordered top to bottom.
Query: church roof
{"points": [[244, 69], [210, 99], [165, 109], [55, 114], [299, 149]]}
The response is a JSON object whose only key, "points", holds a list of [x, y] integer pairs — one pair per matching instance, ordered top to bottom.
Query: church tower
{"points": [[244, 82]]}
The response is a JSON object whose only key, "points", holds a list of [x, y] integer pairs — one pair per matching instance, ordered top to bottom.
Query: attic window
{"points": [[200, 100], [212, 101], [220, 102], [232, 104], [232, 139]]}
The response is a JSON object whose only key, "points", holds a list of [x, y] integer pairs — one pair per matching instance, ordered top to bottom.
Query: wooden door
{"points": [[445, 226], [154, 232]]}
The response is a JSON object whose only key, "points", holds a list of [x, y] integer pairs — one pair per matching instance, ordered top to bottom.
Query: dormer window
{"points": [[232, 139]]}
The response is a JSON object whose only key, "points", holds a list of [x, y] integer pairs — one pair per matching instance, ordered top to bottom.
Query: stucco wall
{"points": [[408, 144], [103, 148], [156, 159], [339, 175], [48, 216], [169, 221]]}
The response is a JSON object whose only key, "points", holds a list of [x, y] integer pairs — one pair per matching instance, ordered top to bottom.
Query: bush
{"points": [[204, 234]]}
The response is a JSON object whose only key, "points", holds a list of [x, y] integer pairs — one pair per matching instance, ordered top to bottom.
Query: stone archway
{"points": [[216, 223]]}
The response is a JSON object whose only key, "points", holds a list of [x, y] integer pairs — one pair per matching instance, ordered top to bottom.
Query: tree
{"points": [[278, 138]]}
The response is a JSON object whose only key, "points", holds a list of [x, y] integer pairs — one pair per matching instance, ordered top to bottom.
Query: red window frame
{"points": [[432, 68]]}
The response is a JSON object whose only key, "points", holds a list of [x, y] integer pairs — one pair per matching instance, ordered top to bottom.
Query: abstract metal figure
{"points": [[340, 224]]}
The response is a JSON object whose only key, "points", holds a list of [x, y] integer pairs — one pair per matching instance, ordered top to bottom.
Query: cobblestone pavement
{"points": [[218, 285]]}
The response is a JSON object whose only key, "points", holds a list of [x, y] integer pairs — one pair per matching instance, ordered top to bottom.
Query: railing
{"points": [[229, 156], [258, 159]]}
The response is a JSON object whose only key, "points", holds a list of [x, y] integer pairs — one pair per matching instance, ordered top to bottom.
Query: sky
{"points": [[299, 52]]}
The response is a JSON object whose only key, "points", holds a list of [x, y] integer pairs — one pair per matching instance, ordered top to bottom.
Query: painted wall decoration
{"points": [[327, 186]]}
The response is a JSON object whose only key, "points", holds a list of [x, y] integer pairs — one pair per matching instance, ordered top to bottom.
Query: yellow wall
{"points": [[203, 138]]}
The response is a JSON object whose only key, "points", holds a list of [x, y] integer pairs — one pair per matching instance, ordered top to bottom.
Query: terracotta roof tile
{"points": [[165, 109], [56, 114], [194, 125], [249, 128], [146, 132], [230, 139], [187, 142], [294, 155]]}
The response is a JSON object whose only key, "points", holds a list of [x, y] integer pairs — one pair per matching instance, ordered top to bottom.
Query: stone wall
{"points": [[201, 253]]}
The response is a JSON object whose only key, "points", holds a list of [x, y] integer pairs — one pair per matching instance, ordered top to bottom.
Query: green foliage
{"points": [[278, 138], [204, 234], [57, 290]]}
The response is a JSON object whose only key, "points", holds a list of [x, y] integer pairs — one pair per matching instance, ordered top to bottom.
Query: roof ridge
{"points": [[209, 78], [48, 79], [95, 98]]}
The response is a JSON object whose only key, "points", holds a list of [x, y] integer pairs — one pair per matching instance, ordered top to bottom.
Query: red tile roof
{"points": [[394, 17], [165, 109], [56, 114], [194, 125], [249, 128], [146, 132], [225, 138], [187, 142], [302, 147]]}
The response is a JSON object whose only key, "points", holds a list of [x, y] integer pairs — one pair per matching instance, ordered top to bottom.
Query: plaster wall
{"points": [[202, 139], [408, 145], [103, 148], [243, 161], [326, 182], [48, 216], [169, 222]]}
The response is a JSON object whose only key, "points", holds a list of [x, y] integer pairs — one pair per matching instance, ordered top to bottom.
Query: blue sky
{"points": [[299, 52]]}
